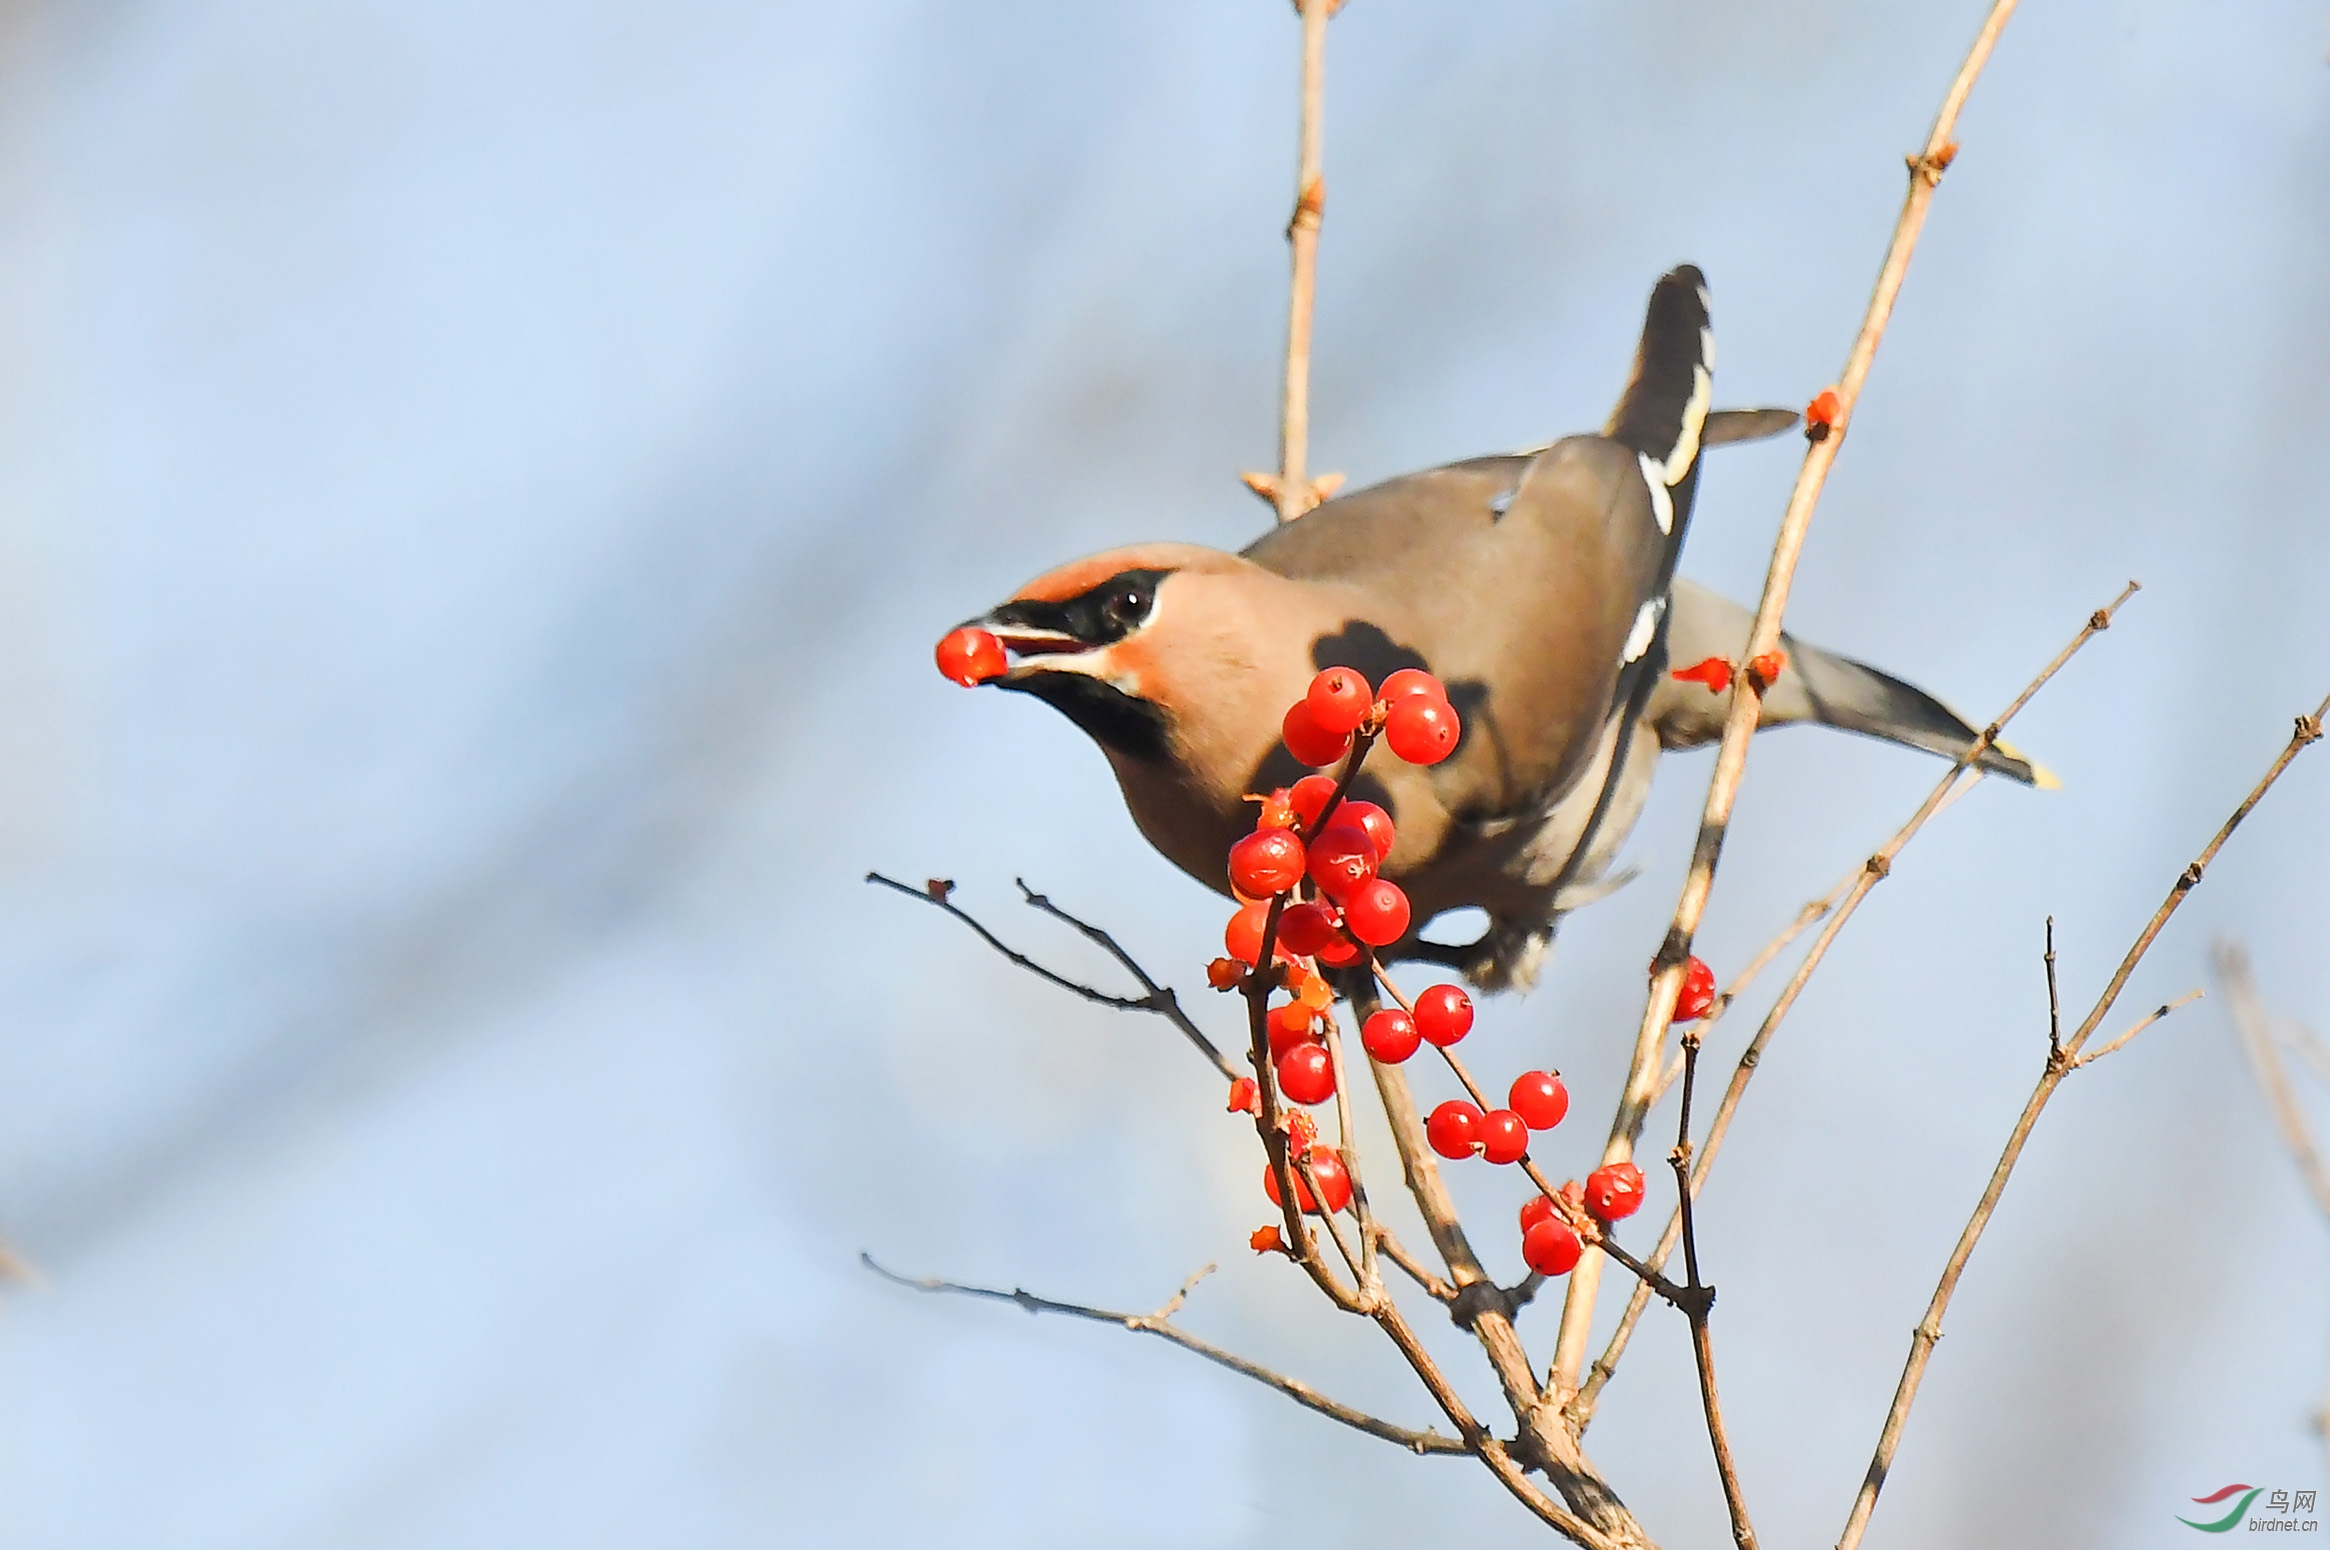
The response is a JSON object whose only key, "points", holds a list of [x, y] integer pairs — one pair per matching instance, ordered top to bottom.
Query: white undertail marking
{"points": [[1646, 625]]}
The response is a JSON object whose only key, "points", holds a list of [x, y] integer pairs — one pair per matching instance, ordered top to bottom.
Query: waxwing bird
{"points": [[1539, 587]]}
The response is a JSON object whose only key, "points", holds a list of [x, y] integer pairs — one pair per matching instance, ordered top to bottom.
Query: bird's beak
{"points": [[1034, 647]]}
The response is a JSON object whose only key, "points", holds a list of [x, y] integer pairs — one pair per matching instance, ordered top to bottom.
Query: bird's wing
{"points": [[1540, 611]]}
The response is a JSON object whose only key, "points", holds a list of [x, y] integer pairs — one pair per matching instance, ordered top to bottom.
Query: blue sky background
{"points": [[479, 483]]}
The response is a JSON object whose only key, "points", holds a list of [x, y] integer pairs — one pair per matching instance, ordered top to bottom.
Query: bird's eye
{"points": [[1126, 606]]}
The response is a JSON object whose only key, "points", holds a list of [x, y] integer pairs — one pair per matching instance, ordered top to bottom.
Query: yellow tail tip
{"points": [[2041, 777]]}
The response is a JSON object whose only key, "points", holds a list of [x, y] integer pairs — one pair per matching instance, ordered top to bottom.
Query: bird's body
{"points": [[1539, 588]]}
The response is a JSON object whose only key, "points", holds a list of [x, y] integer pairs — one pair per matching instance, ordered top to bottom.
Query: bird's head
{"points": [[1101, 639], [1165, 652]]}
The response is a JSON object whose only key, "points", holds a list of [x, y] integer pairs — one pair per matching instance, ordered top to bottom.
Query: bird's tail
{"points": [[1661, 414], [1836, 691]]}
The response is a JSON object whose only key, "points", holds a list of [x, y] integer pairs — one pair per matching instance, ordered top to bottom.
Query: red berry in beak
{"points": [[971, 656]]}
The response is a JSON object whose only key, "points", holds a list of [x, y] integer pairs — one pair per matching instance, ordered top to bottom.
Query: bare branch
{"points": [[1292, 490], [1960, 779], [1157, 999], [2255, 1027], [1577, 1314], [1158, 1324], [1929, 1329]]}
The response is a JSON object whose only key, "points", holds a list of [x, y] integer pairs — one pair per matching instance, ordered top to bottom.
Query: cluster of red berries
{"points": [[1457, 1129], [1549, 1244]]}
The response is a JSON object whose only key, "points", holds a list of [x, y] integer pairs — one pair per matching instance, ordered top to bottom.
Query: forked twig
{"points": [[1925, 173], [1961, 778], [1155, 998], [2060, 1064], [1160, 1324]]}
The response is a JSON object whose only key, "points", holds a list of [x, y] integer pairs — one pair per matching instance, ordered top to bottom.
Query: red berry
{"points": [[1822, 412], [969, 656], [1767, 668], [1712, 672], [1408, 682], [1339, 700], [1422, 731], [1309, 742], [1309, 798], [1277, 810], [1374, 820], [1341, 859], [1265, 862], [1378, 913], [1305, 928], [1242, 938], [1338, 952], [1228, 973], [1697, 997], [1444, 1014], [1288, 1026], [1390, 1036], [1306, 1074], [1245, 1097], [1540, 1099], [1452, 1128], [1503, 1137], [1327, 1167], [1334, 1179], [1614, 1191], [1537, 1208], [1550, 1248]]}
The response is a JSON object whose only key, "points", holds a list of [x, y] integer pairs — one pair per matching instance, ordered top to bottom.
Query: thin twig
{"points": [[1925, 172], [1293, 492], [1961, 778], [1157, 999], [2054, 1001], [2141, 1023], [2255, 1027], [2059, 1066], [1415, 1269], [1700, 1305], [1160, 1325]]}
